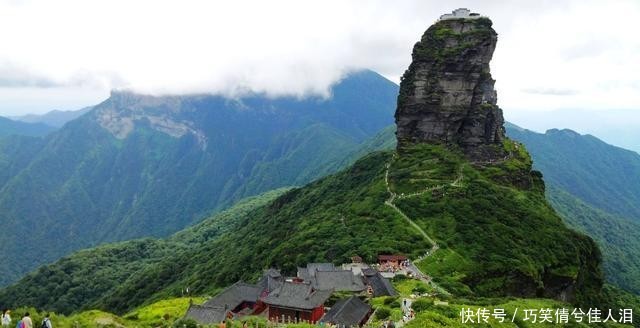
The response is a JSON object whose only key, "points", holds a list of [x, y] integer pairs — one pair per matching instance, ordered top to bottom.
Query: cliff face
{"points": [[447, 94], [447, 98]]}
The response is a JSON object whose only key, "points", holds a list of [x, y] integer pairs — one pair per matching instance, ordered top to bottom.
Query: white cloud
{"points": [[301, 47]]}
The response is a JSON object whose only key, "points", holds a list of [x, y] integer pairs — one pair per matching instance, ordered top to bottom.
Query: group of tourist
{"points": [[393, 267], [407, 312], [25, 322], [223, 324]]}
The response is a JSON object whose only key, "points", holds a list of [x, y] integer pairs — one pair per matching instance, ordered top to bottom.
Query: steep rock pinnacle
{"points": [[447, 94]]}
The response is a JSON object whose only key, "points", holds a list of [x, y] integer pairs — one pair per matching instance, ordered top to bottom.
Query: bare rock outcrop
{"points": [[447, 94], [123, 110]]}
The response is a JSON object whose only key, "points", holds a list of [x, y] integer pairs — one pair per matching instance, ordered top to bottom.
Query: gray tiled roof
{"points": [[312, 267], [369, 272], [275, 273], [303, 273], [308, 273], [271, 280], [339, 280], [380, 285], [234, 295], [297, 296], [347, 312], [206, 315]]}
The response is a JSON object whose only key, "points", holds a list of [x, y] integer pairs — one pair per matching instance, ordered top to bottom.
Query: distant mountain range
{"points": [[54, 118], [34, 125], [10, 127], [616, 127], [138, 166], [149, 166], [605, 176], [456, 195], [105, 277]]}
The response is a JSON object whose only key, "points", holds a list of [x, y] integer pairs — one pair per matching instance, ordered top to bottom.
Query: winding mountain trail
{"points": [[390, 202]]}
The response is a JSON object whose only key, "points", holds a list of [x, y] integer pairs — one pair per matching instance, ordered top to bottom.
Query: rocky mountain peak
{"points": [[447, 94], [124, 110]]}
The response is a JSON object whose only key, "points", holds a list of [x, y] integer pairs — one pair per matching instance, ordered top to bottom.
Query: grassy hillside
{"points": [[497, 235], [616, 235], [430, 312], [159, 314]]}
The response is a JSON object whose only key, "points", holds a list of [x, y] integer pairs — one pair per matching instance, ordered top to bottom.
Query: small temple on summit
{"points": [[460, 13]]}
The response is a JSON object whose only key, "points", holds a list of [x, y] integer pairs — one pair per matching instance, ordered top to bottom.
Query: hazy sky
{"points": [[67, 54]]}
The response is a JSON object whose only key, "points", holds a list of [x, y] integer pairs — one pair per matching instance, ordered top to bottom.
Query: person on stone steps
{"points": [[5, 320], [26, 321], [46, 322]]}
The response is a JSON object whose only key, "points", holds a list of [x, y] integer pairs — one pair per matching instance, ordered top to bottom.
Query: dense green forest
{"points": [[143, 166], [599, 174], [596, 189], [344, 215], [330, 219], [615, 234], [618, 237], [77, 282]]}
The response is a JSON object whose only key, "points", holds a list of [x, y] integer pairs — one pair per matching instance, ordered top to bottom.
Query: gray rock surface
{"points": [[447, 94]]}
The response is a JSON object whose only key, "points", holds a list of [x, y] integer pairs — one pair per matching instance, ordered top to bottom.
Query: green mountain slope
{"points": [[10, 127], [138, 166], [605, 176], [596, 188], [498, 234], [616, 235], [619, 238], [532, 253], [78, 281]]}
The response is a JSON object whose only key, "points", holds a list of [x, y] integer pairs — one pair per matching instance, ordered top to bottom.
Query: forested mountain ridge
{"points": [[54, 118], [10, 127], [139, 165], [600, 174], [330, 220], [479, 222], [615, 234], [82, 280]]}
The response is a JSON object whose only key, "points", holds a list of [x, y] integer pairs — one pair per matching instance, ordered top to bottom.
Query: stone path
{"points": [[390, 202]]}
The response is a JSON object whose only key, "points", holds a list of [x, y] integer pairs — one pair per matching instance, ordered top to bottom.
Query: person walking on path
{"points": [[6, 318], [26, 321], [46, 322]]}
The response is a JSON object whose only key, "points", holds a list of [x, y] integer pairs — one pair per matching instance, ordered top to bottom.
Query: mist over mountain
{"points": [[139, 166], [467, 204]]}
